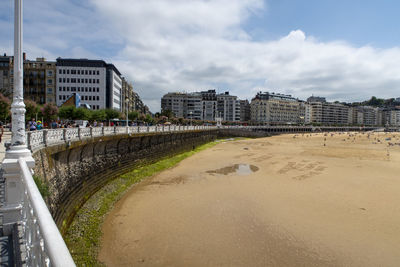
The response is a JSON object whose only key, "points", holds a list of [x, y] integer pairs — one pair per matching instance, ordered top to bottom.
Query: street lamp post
{"points": [[191, 116], [127, 118], [18, 149]]}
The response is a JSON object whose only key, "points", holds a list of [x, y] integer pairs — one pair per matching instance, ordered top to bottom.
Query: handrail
{"points": [[38, 139], [49, 248]]}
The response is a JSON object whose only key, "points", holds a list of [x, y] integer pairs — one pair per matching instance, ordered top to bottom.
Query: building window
{"points": [[59, 71], [63, 71], [67, 71], [90, 72], [49, 73], [86, 73], [59, 80], [63, 80], [67, 80], [49, 81], [98, 81], [67, 88], [50, 90], [60, 97], [98, 98]]}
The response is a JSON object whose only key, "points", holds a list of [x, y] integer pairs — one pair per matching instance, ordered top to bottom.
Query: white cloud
{"points": [[188, 45]]}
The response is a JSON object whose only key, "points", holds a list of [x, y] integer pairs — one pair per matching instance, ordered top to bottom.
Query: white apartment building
{"points": [[85, 77], [114, 88], [205, 105], [228, 107], [274, 108], [321, 112]]}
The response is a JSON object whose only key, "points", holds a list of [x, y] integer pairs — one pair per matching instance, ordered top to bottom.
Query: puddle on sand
{"points": [[240, 169]]}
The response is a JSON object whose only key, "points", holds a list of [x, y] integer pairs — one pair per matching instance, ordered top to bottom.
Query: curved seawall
{"points": [[75, 171]]}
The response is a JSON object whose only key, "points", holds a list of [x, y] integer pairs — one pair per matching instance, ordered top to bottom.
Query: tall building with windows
{"points": [[5, 75], [84, 77], [39, 79], [113, 88], [127, 96], [209, 101], [204, 105], [228, 107], [277, 109], [245, 111], [318, 111]]}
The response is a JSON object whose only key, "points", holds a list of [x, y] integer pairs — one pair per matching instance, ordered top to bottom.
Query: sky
{"points": [[339, 49]]}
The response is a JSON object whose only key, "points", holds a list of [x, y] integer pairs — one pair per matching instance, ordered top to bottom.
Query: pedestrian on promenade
{"points": [[32, 125], [39, 125], [1, 130]]}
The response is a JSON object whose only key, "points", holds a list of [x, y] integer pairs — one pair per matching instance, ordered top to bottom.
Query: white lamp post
{"points": [[127, 119], [18, 149]]}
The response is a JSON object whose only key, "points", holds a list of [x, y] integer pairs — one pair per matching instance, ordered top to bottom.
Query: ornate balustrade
{"points": [[39, 139], [44, 244]]}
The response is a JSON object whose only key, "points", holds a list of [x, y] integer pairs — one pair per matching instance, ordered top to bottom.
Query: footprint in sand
{"points": [[306, 170]]}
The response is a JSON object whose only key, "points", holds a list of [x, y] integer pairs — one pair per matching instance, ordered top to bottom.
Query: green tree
{"points": [[5, 105], [32, 109], [49, 112], [66, 113], [168, 113], [81, 114], [112, 114], [98, 115], [133, 115], [149, 119]]}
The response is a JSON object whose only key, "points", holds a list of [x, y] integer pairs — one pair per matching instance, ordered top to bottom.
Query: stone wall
{"points": [[77, 170]]}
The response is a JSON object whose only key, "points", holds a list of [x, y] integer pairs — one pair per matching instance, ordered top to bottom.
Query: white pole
{"points": [[18, 106], [14, 187]]}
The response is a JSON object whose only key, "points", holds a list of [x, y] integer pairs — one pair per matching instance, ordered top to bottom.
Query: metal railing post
{"points": [[79, 133]]}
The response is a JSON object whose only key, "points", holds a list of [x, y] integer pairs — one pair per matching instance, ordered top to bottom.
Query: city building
{"points": [[5, 75], [83, 76], [39, 79], [113, 88], [127, 96], [209, 101], [204, 105], [228, 107], [271, 108], [245, 111], [326, 113], [365, 115], [391, 117]]}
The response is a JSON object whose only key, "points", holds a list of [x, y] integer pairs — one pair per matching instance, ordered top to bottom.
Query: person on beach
{"points": [[1, 130]]}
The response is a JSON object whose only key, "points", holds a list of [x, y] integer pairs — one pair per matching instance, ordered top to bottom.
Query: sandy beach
{"points": [[325, 199]]}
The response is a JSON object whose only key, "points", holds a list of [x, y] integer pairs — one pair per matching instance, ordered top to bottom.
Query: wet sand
{"points": [[302, 203]]}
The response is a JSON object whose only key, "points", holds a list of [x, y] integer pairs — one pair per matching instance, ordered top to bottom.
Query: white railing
{"points": [[39, 139], [44, 243]]}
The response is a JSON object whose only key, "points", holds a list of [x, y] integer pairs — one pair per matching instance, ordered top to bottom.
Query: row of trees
{"points": [[49, 112]]}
